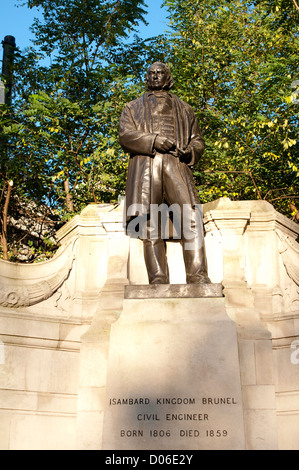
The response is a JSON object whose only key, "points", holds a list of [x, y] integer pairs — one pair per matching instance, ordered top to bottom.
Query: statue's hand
{"points": [[163, 144], [184, 154]]}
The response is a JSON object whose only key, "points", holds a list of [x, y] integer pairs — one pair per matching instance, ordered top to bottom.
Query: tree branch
{"points": [[296, 5], [244, 173], [283, 197], [4, 222]]}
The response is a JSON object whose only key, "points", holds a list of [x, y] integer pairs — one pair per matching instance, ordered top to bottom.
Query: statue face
{"points": [[157, 77]]}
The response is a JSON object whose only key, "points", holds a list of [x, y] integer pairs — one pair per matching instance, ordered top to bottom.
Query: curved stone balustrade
{"points": [[22, 285]]}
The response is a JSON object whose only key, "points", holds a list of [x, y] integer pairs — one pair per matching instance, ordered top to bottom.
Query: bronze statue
{"points": [[161, 134]]}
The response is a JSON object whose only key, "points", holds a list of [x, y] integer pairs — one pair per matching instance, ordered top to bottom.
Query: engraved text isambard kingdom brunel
{"points": [[173, 417]]}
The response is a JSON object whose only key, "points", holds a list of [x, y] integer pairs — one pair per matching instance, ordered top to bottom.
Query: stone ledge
{"points": [[160, 291]]}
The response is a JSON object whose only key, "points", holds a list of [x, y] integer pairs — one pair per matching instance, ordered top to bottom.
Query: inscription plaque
{"points": [[173, 380]]}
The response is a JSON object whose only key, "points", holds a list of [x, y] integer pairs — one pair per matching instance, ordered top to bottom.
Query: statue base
{"points": [[156, 291], [173, 374]]}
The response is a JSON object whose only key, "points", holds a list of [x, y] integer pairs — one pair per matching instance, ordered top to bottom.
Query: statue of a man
{"points": [[161, 134]]}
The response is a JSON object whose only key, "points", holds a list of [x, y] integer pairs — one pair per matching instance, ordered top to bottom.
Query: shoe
{"points": [[199, 279], [159, 280]]}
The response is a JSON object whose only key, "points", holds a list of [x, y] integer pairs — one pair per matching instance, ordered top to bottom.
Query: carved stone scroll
{"points": [[290, 255], [23, 292]]}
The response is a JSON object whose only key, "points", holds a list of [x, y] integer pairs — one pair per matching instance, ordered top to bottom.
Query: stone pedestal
{"points": [[69, 322], [173, 376]]}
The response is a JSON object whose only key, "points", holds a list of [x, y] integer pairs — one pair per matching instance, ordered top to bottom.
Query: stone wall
{"points": [[56, 318]]}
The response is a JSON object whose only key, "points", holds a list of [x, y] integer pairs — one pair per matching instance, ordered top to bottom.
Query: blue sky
{"points": [[15, 20]]}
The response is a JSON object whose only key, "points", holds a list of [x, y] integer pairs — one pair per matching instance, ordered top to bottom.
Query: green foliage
{"points": [[85, 23], [235, 63], [237, 72], [72, 114], [60, 136]]}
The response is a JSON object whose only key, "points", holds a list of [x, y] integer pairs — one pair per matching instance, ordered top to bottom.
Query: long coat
{"points": [[137, 138]]}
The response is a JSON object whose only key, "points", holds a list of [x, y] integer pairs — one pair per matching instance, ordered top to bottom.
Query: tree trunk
{"points": [[68, 197], [4, 222]]}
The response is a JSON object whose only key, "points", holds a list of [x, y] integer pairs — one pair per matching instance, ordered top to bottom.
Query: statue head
{"points": [[158, 77]]}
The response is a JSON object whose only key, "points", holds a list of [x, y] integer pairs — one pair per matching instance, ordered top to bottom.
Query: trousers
{"points": [[169, 186]]}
